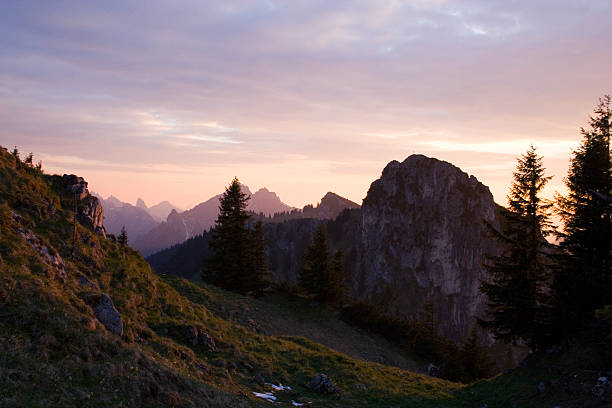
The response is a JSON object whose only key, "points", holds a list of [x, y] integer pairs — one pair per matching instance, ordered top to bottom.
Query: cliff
{"points": [[424, 239]]}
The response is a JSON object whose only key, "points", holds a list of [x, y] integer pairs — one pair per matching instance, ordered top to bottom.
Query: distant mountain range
{"points": [[266, 206], [137, 220], [180, 226]]}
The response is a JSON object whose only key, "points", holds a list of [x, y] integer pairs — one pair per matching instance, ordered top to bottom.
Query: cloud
{"points": [[255, 82]]}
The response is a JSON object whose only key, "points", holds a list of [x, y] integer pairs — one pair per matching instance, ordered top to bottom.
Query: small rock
{"points": [[84, 281], [108, 315], [203, 369], [433, 370], [321, 383], [359, 387], [542, 387], [602, 387]]}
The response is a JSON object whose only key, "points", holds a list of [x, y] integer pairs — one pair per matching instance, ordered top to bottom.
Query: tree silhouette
{"points": [[584, 283], [518, 297]]}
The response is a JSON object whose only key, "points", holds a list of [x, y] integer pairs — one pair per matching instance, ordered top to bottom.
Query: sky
{"points": [[169, 100]]}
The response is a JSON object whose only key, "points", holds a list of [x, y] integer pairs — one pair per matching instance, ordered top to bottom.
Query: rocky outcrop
{"points": [[90, 209], [424, 239], [49, 255], [109, 316], [322, 384]]}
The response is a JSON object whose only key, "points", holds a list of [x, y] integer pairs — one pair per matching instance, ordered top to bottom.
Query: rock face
{"points": [[90, 209], [424, 239], [109, 316]]}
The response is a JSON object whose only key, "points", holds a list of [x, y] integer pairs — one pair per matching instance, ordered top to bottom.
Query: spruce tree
{"points": [[122, 240], [229, 244], [259, 258], [322, 275], [584, 283], [518, 291]]}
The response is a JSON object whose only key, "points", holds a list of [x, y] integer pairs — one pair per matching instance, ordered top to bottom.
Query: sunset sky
{"points": [[168, 100]]}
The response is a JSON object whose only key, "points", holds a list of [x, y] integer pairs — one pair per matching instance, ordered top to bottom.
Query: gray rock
{"points": [[91, 212], [424, 238], [84, 281], [109, 316], [199, 336], [433, 370], [321, 383], [602, 387]]}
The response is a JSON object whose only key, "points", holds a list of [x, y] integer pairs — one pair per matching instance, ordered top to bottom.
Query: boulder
{"points": [[109, 316], [322, 384], [602, 388]]}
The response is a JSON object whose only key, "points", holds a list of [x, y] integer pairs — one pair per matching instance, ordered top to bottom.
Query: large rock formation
{"points": [[90, 209], [424, 239]]}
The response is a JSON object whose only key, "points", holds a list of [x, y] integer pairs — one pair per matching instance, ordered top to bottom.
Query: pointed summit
{"points": [[141, 204]]}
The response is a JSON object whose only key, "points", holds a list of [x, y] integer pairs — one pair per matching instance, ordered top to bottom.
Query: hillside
{"points": [[95, 327], [54, 351]]}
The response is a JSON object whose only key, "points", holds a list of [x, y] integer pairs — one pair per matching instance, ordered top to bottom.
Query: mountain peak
{"points": [[141, 204]]}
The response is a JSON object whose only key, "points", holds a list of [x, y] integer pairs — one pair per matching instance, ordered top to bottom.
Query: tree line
{"points": [[542, 293]]}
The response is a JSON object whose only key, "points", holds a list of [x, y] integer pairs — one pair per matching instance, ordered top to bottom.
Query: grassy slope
{"points": [[54, 353]]}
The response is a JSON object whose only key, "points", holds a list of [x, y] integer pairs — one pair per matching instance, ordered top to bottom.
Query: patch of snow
{"points": [[279, 387], [266, 395], [296, 404]]}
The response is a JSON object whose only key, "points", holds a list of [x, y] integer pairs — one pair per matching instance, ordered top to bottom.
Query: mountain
{"points": [[267, 202], [161, 210], [136, 220], [180, 226], [420, 238], [424, 239], [85, 323]]}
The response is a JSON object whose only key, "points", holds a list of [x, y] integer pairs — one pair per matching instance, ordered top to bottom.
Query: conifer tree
{"points": [[122, 239], [229, 242], [259, 258], [238, 259], [316, 264], [322, 275], [585, 283], [337, 289], [518, 296]]}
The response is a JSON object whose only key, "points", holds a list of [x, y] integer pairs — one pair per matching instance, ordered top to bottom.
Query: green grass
{"points": [[54, 352]]}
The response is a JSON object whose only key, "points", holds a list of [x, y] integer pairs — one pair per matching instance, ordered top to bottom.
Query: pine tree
{"points": [[122, 239], [230, 253], [259, 258], [316, 264], [322, 275], [584, 283], [337, 289], [518, 292]]}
